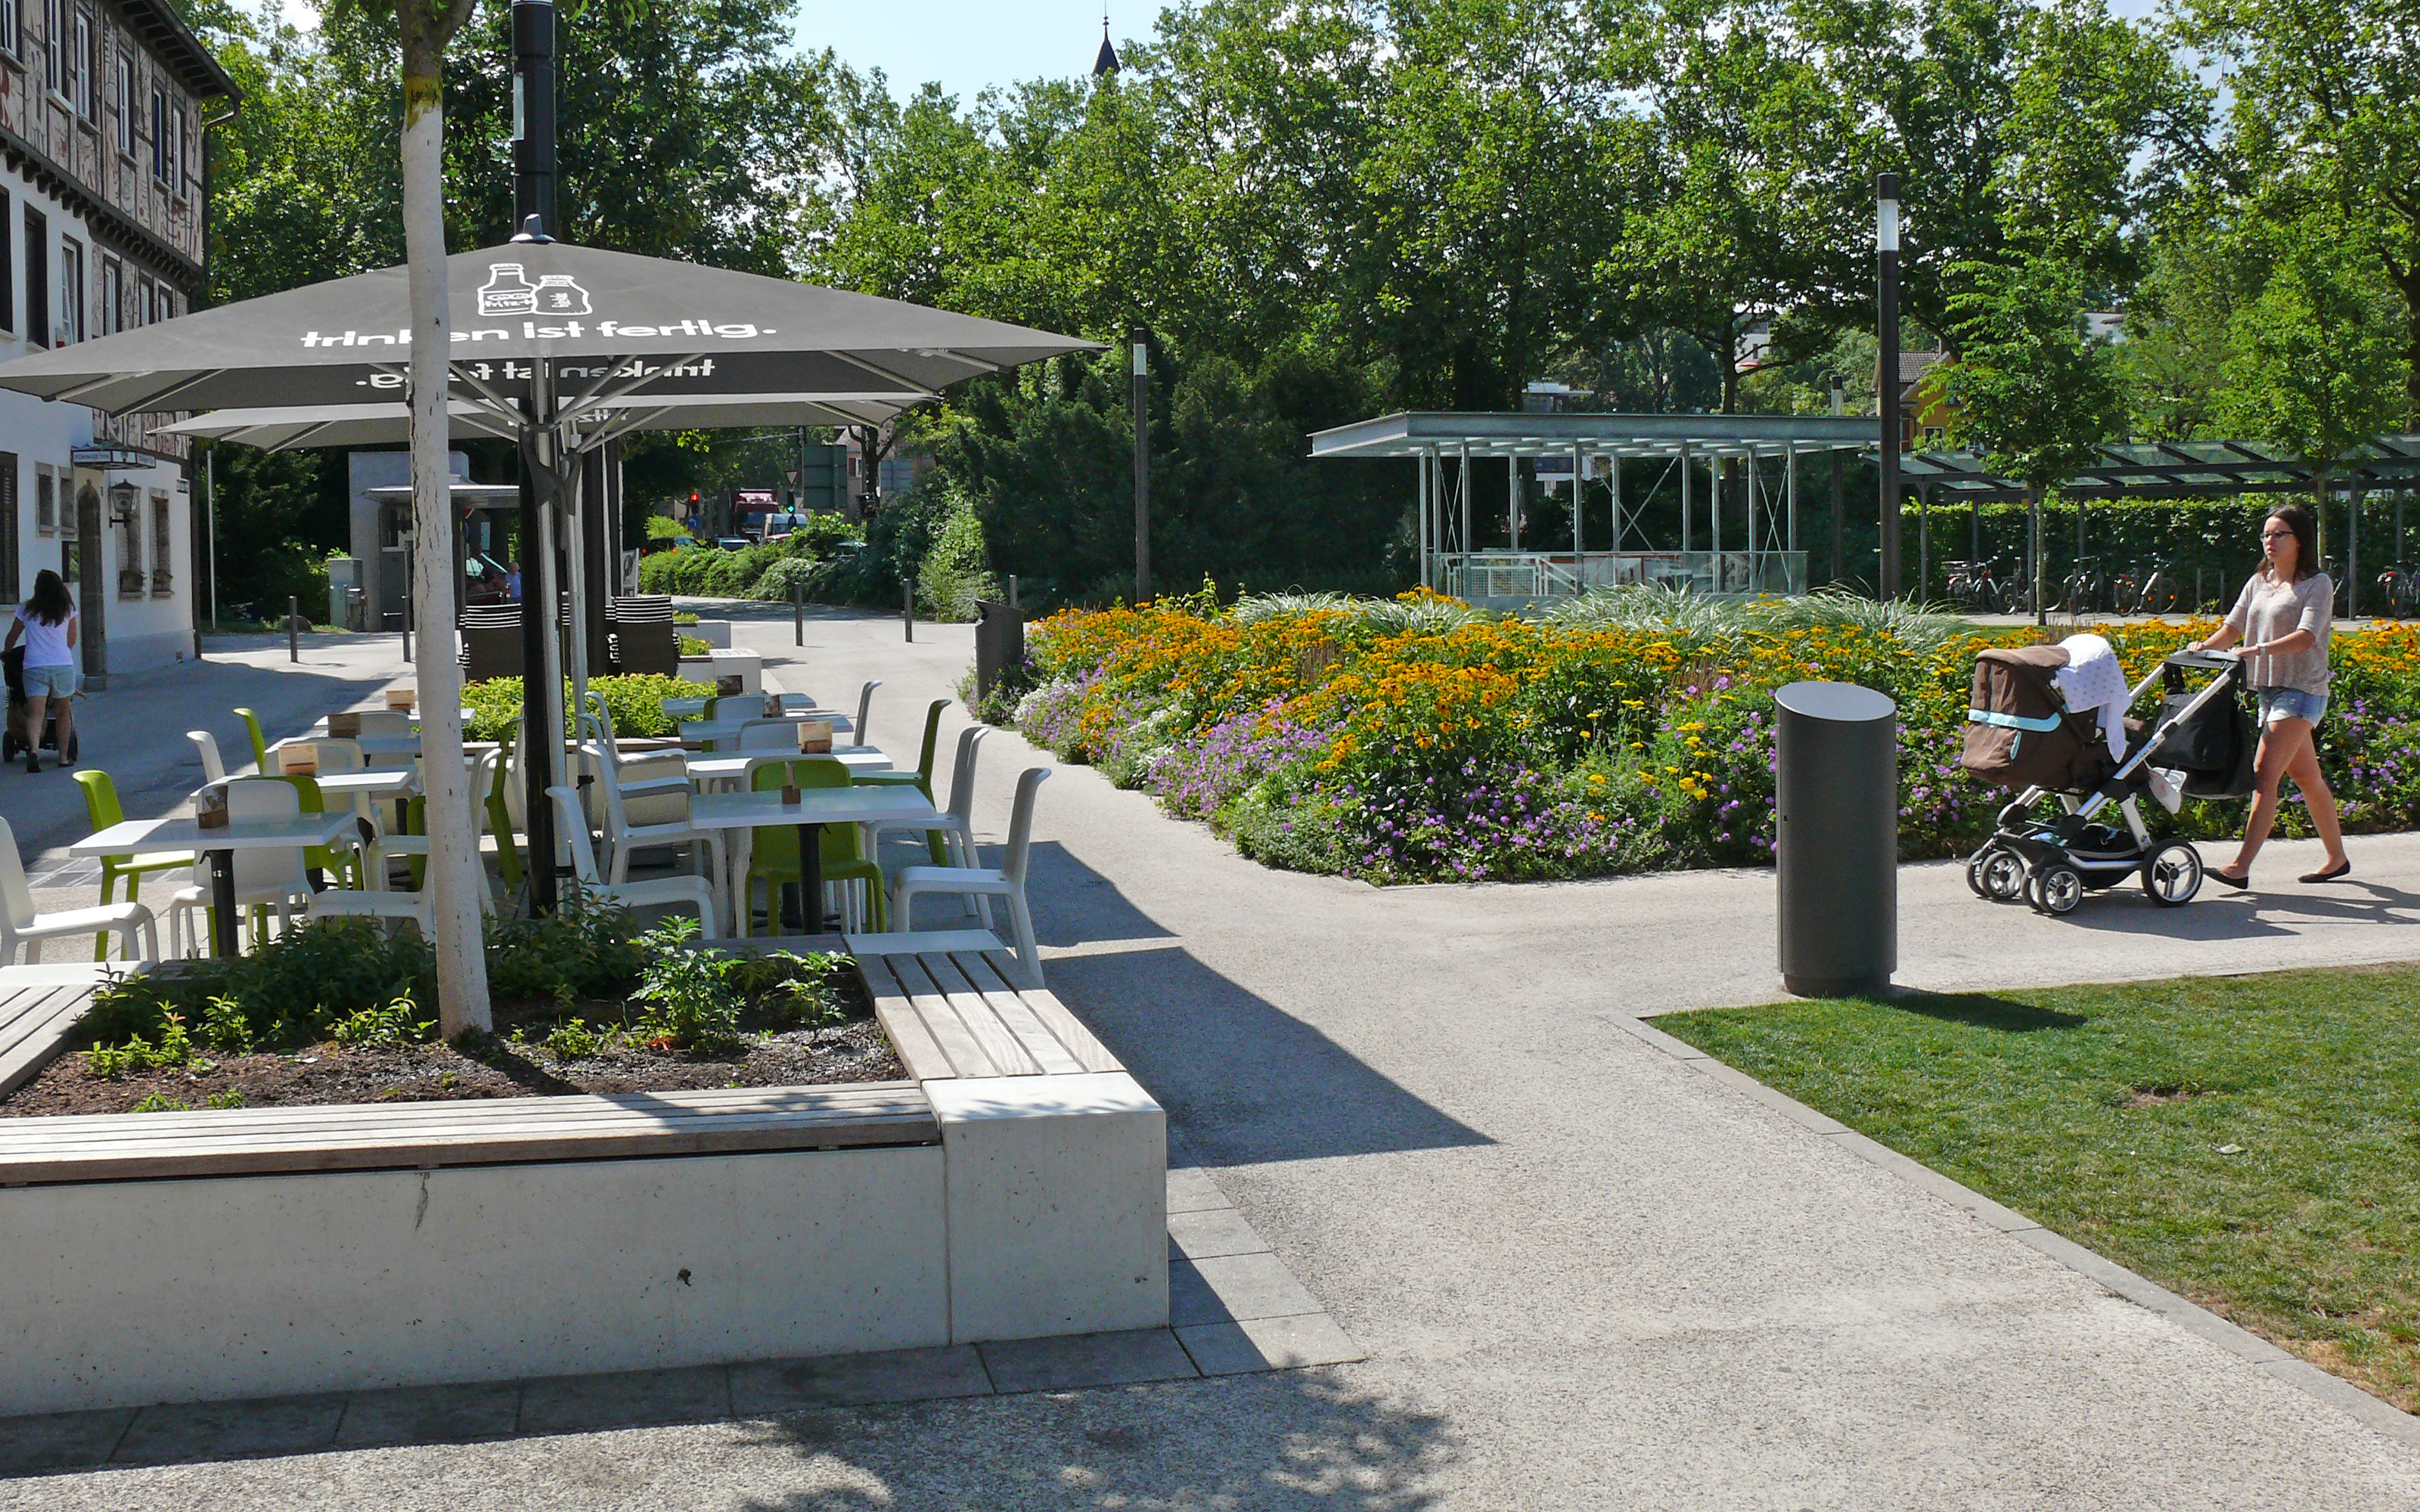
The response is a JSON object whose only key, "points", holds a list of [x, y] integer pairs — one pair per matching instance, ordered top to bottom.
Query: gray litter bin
{"points": [[1000, 643], [1836, 843]]}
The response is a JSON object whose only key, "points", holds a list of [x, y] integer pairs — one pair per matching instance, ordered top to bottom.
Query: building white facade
{"points": [[103, 226]]}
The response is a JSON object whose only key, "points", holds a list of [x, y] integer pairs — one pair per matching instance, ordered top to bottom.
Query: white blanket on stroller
{"points": [[2092, 681]]}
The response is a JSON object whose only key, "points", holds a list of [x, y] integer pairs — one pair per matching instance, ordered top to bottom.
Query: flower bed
{"points": [[1421, 741]]}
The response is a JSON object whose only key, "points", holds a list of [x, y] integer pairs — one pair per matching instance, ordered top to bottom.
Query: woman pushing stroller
{"points": [[47, 620], [2279, 625]]}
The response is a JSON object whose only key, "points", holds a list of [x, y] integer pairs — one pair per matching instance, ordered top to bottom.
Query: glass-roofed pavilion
{"points": [[1636, 456]]}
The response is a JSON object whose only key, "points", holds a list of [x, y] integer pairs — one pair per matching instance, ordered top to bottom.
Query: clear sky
{"points": [[964, 45]]}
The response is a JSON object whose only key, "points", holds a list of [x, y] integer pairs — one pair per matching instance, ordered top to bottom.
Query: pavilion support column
{"points": [[1613, 477], [1462, 486], [1423, 488], [1512, 498], [1686, 524], [1578, 545], [599, 551]]}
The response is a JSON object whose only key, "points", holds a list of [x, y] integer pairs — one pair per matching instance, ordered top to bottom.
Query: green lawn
{"points": [[2250, 1142]]}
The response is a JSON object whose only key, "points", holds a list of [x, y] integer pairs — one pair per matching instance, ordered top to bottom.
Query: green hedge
{"points": [[637, 703]]}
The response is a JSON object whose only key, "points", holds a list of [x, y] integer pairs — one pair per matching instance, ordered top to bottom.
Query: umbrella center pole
{"points": [[541, 667]]}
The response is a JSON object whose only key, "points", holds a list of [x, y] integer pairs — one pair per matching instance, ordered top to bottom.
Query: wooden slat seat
{"points": [[943, 999], [39, 1007], [495, 1132]]}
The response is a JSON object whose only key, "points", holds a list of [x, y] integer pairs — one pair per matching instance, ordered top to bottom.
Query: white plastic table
{"points": [[691, 708], [731, 727], [710, 771], [368, 786], [902, 807], [218, 848]]}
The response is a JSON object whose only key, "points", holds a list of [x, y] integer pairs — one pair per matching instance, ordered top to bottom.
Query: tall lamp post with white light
{"points": [[1886, 371], [1142, 462]]}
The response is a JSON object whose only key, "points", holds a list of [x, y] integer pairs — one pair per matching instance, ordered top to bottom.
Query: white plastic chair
{"points": [[864, 708], [384, 723], [767, 735], [213, 766], [958, 835], [623, 837], [389, 847], [262, 878], [1007, 883], [655, 892], [20, 924]]}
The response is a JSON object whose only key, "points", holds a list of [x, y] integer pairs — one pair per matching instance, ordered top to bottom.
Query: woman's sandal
{"points": [[2330, 874], [2232, 882]]}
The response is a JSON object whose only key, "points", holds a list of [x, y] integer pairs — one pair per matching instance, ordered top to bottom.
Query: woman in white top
{"points": [[2283, 619], [48, 622]]}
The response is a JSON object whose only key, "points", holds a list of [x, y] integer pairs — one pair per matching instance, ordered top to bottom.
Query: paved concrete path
{"points": [[136, 730], [1587, 1277]]}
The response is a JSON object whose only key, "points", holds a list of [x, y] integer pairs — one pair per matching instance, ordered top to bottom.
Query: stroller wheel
{"points": [[1996, 872], [2173, 874], [2055, 889]]}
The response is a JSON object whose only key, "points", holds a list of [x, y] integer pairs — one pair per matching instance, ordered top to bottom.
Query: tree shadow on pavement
{"points": [[1271, 1443]]}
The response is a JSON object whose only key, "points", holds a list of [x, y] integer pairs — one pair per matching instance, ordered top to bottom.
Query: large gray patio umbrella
{"points": [[542, 332]]}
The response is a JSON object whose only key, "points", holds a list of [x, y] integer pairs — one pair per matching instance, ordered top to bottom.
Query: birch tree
{"points": [[455, 879]]}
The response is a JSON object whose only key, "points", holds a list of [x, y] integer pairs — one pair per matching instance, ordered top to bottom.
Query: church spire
{"points": [[1105, 62]]}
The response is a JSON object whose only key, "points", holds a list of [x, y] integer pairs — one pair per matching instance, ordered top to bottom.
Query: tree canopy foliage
{"points": [[1327, 208]]}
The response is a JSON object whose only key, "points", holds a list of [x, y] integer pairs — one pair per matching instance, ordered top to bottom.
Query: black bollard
{"points": [[908, 609], [798, 612], [293, 629], [1836, 841]]}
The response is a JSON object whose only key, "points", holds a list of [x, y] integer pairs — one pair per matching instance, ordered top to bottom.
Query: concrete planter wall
{"points": [[715, 633], [749, 666], [1043, 1211]]}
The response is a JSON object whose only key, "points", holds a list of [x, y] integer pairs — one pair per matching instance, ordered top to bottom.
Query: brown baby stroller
{"points": [[2021, 735]]}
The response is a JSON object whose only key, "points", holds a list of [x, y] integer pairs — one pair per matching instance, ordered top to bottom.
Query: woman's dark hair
{"points": [[2306, 539], [50, 604]]}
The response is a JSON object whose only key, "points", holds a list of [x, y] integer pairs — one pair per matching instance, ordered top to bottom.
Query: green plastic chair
{"points": [[259, 744], [921, 779], [101, 806], [500, 819], [775, 858]]}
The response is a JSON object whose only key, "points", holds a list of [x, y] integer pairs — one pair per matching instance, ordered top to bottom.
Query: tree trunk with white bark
{"points": [[455, 874]]}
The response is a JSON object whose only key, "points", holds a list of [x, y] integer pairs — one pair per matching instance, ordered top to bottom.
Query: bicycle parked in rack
{"points": [[1973, 588], [2085, 589], [2399, 591], [2161, 592]]}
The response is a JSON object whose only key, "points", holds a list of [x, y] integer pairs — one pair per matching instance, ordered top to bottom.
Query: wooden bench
{"points": [[943, 997], [40, 1006], [370, 1136]]}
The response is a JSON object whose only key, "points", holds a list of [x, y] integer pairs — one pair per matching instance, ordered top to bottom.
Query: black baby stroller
{"points": [[2021, 734], [16, 740]]}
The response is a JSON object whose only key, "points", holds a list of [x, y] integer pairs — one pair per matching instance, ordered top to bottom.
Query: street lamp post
{"points": [[1886, 371], [1142, 462], [1840, 479]]}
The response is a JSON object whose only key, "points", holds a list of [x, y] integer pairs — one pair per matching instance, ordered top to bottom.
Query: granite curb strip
{"points": [[1235, 1309], [2194, 1318]]}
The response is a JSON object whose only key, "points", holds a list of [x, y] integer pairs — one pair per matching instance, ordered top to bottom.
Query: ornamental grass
{"points": [[1419, 740]]}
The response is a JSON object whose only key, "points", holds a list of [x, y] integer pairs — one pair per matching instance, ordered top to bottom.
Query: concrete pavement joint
{"points": [[2118, 1280]]}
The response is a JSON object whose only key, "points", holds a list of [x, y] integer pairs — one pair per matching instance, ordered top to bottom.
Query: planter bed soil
{"points": [[771, 1054]]}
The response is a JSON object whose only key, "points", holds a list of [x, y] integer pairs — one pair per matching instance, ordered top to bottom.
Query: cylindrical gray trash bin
{"points": [[1836, 841]]}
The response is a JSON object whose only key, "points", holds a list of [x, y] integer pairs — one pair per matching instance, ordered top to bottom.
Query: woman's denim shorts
{"points": [[49, 682], [2290, 704]]}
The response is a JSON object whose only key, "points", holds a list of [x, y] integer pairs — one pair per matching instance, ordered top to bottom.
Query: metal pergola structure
{"points": [[1445, 445], [2174, 470]]}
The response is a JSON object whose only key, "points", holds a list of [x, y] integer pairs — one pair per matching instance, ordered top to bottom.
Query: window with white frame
{"points": [[55, 13], [12, 29], [81, 65], [122, 98], [160, 134], [182, 145], [70, 290], [113, 296], [146, 299], [46, 501], [162, 580]]}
